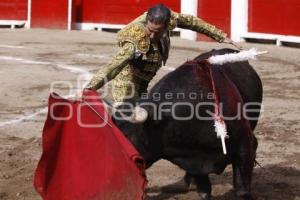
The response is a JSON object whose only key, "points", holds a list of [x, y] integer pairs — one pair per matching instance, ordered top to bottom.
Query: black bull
{"points": [[192, 143]]}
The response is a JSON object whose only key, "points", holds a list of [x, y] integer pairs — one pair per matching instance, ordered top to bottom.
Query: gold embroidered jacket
{"points": [[138, 60]]}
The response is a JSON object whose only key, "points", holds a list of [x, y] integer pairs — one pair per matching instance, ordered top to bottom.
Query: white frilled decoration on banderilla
{"points": [[235, 57], [220, 126], [220, 129]]}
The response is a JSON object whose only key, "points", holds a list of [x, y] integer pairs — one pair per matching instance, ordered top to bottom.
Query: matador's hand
{"points": [[230, 41]]}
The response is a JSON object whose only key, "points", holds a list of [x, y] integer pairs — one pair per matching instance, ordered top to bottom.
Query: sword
{"points": [[95, 111]]}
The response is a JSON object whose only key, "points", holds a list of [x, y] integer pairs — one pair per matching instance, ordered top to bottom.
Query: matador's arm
{"points": [[192, 23], [196, 24], [112, 69]]}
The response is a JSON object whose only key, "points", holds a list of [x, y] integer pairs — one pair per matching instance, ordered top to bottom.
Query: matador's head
{"points": [[157, 21]]}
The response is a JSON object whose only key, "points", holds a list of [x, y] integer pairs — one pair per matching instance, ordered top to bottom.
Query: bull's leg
{"points": [[243, 166], [242, 181], [203, 186]]}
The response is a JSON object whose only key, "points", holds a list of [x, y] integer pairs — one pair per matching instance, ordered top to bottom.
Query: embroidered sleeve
{"points": [[141, 19], [196, 24], [112, 69]]}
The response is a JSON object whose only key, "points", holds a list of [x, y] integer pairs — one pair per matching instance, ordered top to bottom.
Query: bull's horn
{"points": [[139, 115]]}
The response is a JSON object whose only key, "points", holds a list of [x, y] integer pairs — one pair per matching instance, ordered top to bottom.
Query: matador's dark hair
{"points": [[159, 14]]}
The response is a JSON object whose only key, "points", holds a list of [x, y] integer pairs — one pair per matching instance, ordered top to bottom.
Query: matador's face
{"points": [[154, 30]]}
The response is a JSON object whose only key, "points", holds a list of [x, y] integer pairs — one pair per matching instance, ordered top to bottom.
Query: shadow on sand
{"points": [[273, 182]]}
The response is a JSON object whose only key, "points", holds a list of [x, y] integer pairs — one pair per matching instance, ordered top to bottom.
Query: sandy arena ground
{"points": [[32, 60]]}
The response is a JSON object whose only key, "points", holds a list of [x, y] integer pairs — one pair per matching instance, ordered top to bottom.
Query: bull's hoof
{"points": [[243, 195], [205, 196]]}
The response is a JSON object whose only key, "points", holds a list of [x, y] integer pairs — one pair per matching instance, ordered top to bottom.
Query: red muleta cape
{"points": [[85, 158]]}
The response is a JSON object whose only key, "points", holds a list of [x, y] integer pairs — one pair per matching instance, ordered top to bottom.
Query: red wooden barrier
{"points": [[13, 10], [116, 11], [215, 12], [49, 14], [275, 16]]}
